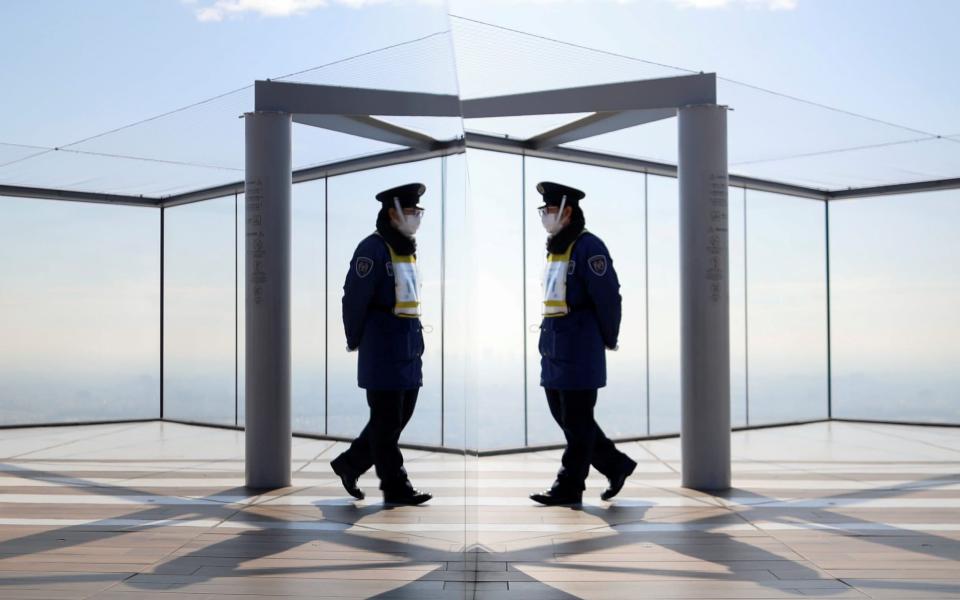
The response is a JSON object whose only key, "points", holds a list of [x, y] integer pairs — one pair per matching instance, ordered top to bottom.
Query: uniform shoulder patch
{"points": [[598, 264], [363, 266]]}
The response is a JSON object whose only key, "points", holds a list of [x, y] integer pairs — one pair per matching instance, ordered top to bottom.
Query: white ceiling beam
{"points": [[668, 92], [312, 99], [598, 124], [369, 128]]}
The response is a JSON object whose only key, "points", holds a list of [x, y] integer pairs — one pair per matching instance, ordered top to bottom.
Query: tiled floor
{"points": [[156, 510]]}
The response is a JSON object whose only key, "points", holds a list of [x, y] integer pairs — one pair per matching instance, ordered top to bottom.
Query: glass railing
{"points": [[81, 306]]}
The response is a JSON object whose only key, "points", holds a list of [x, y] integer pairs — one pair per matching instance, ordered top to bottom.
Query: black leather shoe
{"points": [[617, 481], [349, 482], [407, 495], [555, 496]]}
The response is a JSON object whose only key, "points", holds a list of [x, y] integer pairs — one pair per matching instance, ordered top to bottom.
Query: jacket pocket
{"points": [[570, 338], [546, 342], [409, 344], [418, 345]]}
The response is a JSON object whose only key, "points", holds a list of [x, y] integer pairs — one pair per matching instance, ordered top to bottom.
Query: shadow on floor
{"points": [[340, 523]]}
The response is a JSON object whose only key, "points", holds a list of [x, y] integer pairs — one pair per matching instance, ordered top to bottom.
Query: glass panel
{"points": [[614, 211], [351, 213], [663, 231], [895, 289], [241, 299], [308, 307], [738, 308], [307, 310], [81, 312], [786, 312], [495, 355], [200, 361], [459, 423]]}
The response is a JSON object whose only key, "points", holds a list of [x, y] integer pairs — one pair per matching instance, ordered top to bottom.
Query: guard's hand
{"points": [[613, 348], [349, 349]]}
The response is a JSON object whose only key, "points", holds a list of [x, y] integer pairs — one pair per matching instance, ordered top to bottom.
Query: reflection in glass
{"points": [[614, 211], [351, 214], [81, 312]]}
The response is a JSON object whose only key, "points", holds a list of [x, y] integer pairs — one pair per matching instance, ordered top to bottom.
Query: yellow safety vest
{"points": [[555, 283], [406, 284]]}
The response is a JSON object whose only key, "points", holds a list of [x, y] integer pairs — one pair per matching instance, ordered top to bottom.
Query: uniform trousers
{"points": [[586, 443], [377, 445]]}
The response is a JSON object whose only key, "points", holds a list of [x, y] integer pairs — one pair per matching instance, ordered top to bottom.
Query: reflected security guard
{"points": [[381, 317], [581, 320]]}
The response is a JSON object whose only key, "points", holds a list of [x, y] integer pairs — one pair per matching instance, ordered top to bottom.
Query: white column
{"points": [[267, 283], [704, 298]]}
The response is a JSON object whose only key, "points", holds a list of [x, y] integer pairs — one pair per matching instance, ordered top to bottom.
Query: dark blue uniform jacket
{"points": [[390, 347], [572, 347]]}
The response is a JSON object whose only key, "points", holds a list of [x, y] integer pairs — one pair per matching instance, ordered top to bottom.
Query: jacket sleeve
{"points": [[366, 269], [603, 287]]}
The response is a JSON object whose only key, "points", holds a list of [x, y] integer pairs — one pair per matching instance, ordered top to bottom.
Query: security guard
{"points": [[381, 317], [581, 320]]}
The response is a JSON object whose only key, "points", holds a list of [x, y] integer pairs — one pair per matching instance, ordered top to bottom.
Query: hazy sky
{"points": [[79, 69]]}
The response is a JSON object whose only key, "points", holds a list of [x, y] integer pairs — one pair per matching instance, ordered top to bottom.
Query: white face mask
{"points": [[553, 222], [406, 224]]}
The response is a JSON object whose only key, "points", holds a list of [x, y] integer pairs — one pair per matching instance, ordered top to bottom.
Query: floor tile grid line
{"points": [[857, 427], [110, 431], [891, 433], [184, 434], [315, 458], [657, 458], [783, 466], [649, 467], [177, 470], [646, 480], [652, 486], [877, 486], [779, 487], [784, 490], [792, 492], [183, 499], [290, 499], [458, 502], [245, 507], [224, 520], [221, 521], [813, 525], [368, 527], [856, 528], [796, 551], [165, 558], [810, 560]]}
